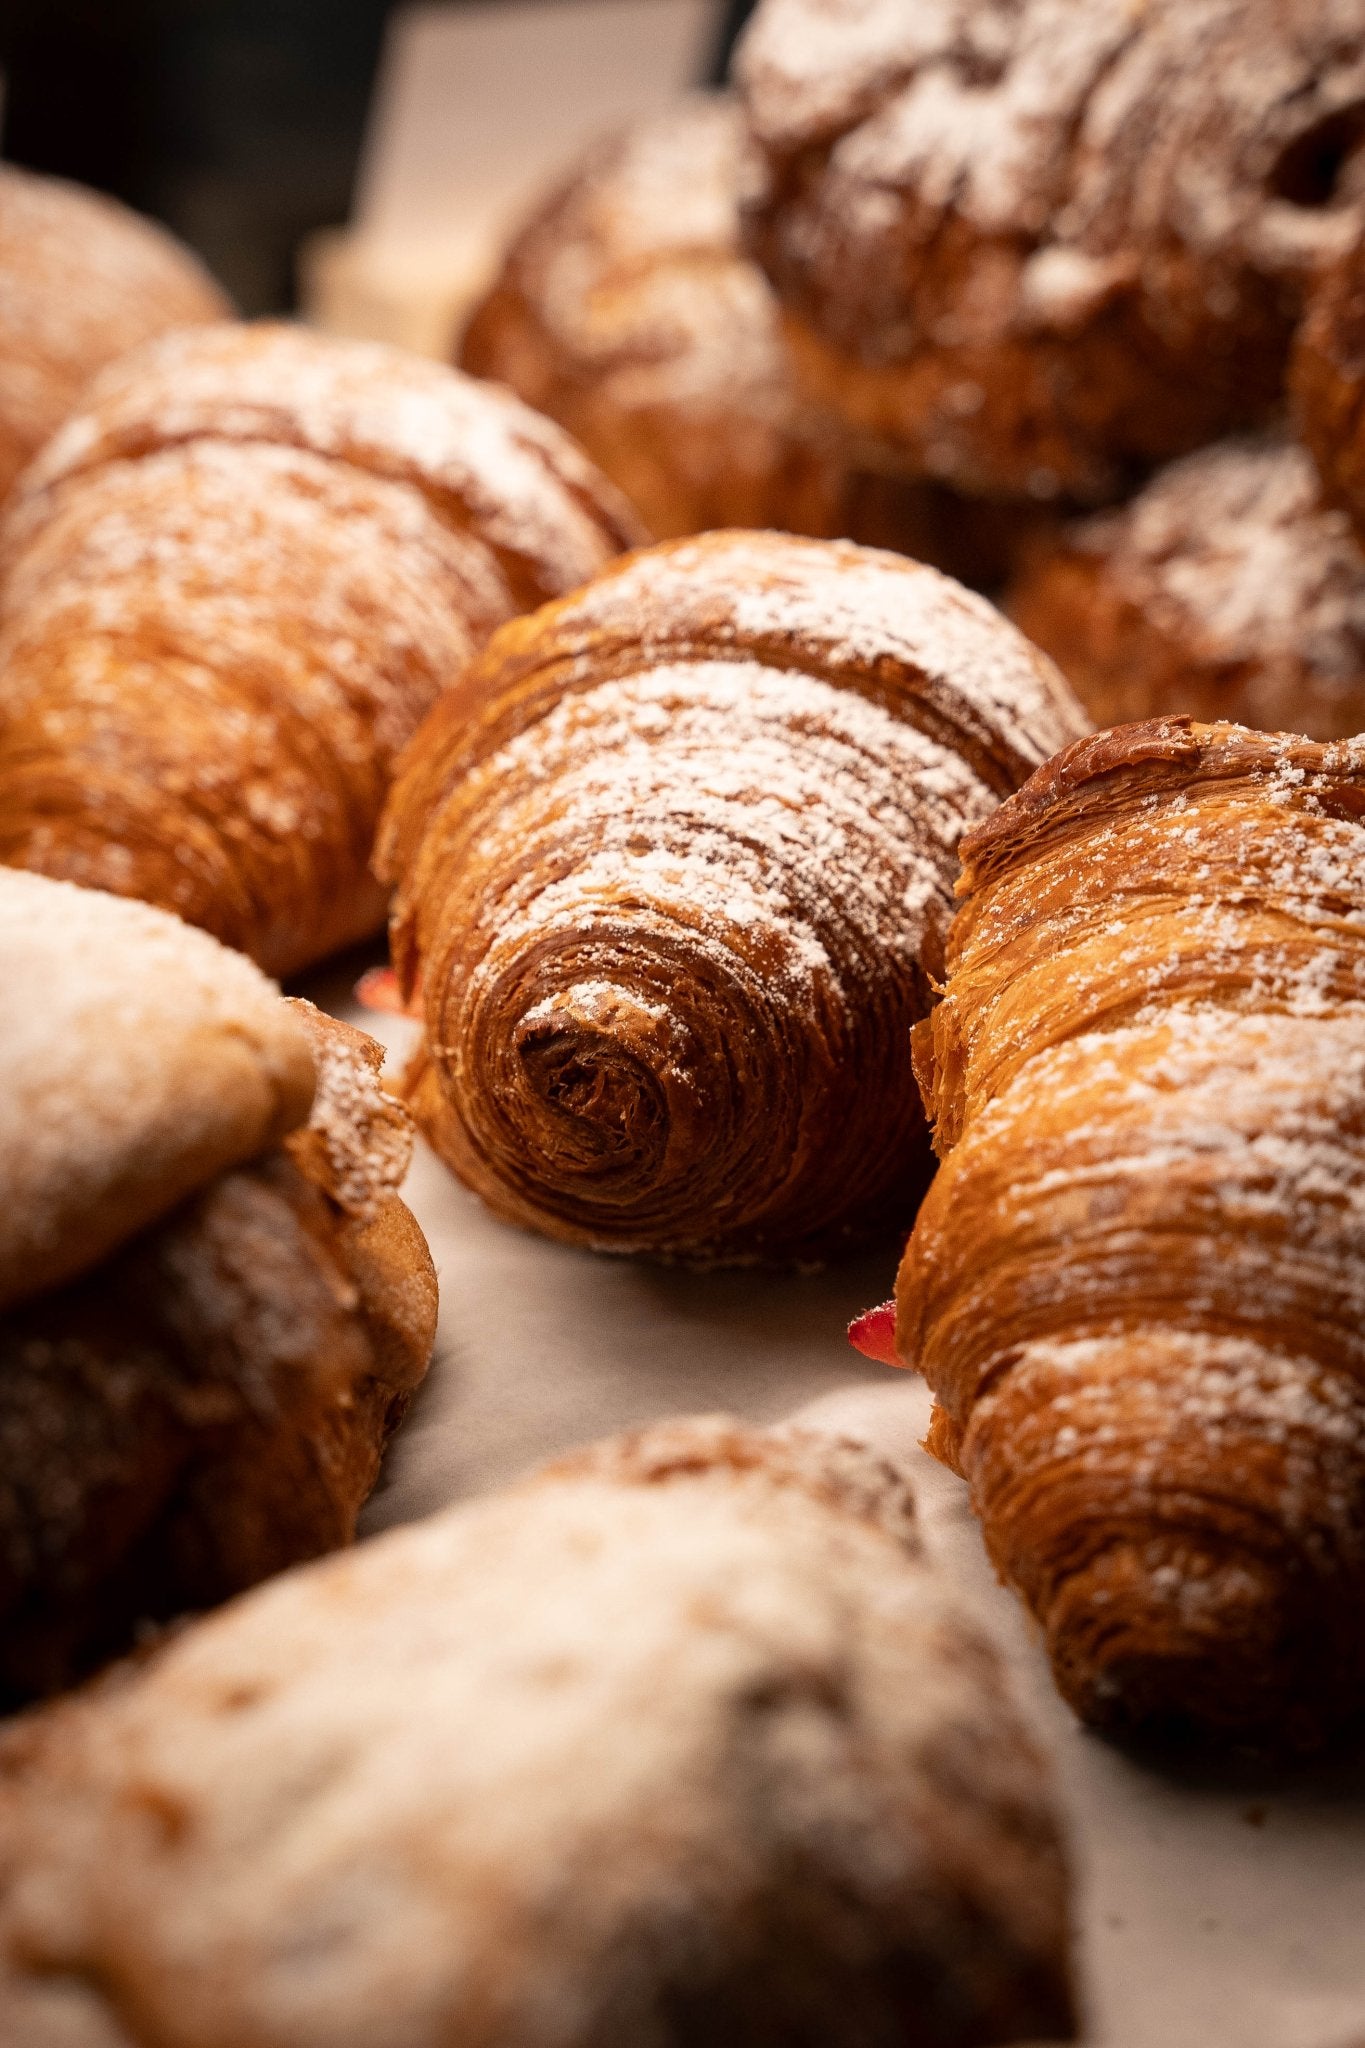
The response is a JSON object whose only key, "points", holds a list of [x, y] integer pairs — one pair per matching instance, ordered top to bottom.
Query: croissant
{"points": [[1034, 249], [82, 279], [627, 310], [233, 583], [1225, 589], [676, 861], [1135, 1287], [213, 1305], [677, 1743]]}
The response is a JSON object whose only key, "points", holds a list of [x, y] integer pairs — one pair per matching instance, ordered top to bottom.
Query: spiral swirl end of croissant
{"points": [[676, 861]]}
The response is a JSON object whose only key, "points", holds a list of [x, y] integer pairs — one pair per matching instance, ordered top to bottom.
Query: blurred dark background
{"points": [[237, 122]]}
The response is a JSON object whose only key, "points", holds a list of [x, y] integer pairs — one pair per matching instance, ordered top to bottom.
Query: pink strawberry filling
{"points": [[377, 989], [874, 1334]]}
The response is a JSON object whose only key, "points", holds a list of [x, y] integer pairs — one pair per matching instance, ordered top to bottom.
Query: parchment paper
{"points": [[1216, 1908]]}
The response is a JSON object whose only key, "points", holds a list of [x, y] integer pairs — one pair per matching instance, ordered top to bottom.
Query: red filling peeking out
{"points": [[874, 1334]]}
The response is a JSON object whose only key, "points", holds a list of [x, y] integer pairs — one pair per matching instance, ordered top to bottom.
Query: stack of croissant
{"points": [[1112, 269], [1021, 299], [756, 894], [417, 1791]]}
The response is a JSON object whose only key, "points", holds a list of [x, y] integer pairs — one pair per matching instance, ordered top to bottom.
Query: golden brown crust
{"points": [[1027, 250], [84, 281], [627, 311], [486, 465], [234, 583], [1225, 590], [676, 858], [1135, 1284], [674, 1744]]}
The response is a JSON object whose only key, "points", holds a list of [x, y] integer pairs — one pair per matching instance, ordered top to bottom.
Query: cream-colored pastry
{"points": [[677, 1743]]}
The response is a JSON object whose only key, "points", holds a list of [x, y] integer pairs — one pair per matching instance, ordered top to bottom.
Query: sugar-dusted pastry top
{"points": [[1033, 245], [634, 266], [82, 279], [628, 310], [484, 461], [1225, 589], [890, 630], [1162, 865], [140, 1058], [357, 1143], [1135, 1286], [213, 1306], [591, 1760]]}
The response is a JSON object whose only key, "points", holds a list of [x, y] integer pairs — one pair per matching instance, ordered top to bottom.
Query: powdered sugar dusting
{"points": [[1090, 127], [1093, 218], [635, 271], [474, 449], [1232, 554], [258, 557], [235, 582], [852, 609], [806, 784], [687, 889], [136, 1048], [358, 1141], [1298, 1421]]}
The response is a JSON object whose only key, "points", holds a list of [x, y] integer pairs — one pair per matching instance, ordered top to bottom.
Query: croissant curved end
{"points": [[1173, 1637]]}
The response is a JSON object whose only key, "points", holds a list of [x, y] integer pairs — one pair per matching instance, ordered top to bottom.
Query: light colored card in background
{"points": [[477, 108]]}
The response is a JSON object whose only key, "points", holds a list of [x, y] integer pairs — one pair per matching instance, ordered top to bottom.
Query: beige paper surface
{"points": [[1216, 1910]]}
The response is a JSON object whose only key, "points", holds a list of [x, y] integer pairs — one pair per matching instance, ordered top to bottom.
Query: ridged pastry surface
{"points": [[485, 463], [233, 584], [677, 858], [1136, 1285], [677, 1743]]}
